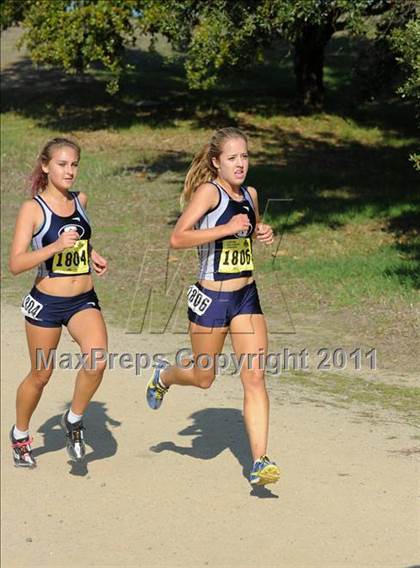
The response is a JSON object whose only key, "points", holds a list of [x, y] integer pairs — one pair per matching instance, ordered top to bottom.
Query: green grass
{"points": [[350, 229], [347, 279], [346, 391]]}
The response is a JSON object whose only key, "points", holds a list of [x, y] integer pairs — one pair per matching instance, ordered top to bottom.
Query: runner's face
{"points": [[232, 163], [62, 168]]}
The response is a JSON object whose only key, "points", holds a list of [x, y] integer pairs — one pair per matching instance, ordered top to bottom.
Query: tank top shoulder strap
{"points": [[215, 185], [221, 189], [220, 192], [247, 195], [75, 196], [41, 203], [79, 207], [47, 215]]}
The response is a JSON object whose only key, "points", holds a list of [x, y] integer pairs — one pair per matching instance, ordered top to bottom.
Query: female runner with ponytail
{"points": [[220, 218], [56, 226]]}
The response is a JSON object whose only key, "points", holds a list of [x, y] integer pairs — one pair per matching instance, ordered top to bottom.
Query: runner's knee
{"points": [[96, 361], [95, 369], [40, 377], [253, 378]]}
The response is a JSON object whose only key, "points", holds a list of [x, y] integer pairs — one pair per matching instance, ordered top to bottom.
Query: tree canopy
{"points": [[74, 34], [215, 36]]}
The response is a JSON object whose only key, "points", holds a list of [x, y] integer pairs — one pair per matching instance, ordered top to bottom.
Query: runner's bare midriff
{"points": [[65, 285], [230, 285]]}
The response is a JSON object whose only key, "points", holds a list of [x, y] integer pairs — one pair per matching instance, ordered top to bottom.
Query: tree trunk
{"points": [[309, 49]]}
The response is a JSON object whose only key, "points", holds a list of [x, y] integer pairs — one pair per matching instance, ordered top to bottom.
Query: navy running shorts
{"points": [[211, 308], [45, 310]]}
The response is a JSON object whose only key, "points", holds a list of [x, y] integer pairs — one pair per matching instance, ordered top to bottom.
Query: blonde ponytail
{"points": [[200, 171]]}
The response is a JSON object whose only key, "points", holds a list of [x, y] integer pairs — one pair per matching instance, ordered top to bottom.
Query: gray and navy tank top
{"points": [[230, 257], [72, 261]]}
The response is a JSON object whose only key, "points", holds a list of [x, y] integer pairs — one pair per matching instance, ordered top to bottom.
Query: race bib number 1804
{"points": [[236, 256], [74, 260], [31, 307]]}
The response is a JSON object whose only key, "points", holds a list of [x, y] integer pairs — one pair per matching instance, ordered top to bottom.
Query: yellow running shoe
{"points": [[155, 390], [264, 471]]}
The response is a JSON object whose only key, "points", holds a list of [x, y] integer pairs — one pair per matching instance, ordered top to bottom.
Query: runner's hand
{"points": [[238, 223], [264, 233], [67, 239], [100, 265]]}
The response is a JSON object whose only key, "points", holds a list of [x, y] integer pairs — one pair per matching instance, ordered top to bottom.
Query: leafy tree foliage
{"points": [[12, 12], [74, 34], [220, 35], [216, 36], [406, 43]]}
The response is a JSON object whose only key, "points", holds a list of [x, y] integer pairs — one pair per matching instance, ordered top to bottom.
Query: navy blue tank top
{"points": [[230, 257], [73, 261]]}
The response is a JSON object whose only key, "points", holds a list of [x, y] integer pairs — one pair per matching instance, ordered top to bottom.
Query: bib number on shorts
{"points": [[236, 256], [74, 260], [198, 302], [31, 307]]}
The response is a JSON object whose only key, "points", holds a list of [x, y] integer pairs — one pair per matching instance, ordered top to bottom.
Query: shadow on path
{"points": [[215, 430], [98, 437]]}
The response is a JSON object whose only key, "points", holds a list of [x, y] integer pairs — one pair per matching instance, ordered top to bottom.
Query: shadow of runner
{"points": [[215, 430], [99, 438]]}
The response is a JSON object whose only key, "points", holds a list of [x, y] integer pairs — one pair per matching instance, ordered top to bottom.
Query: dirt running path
{"points": [[347, 496]]}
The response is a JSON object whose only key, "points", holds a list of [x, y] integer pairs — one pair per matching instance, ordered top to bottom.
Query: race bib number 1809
{"points": [[236, 256], [74, 260]]}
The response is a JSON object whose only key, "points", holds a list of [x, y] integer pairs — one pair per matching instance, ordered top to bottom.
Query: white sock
{"points": [[160, 381], [73, 418], [20, 434]]}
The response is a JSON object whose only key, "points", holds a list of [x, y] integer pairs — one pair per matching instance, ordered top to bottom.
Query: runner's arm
{"points": [[203, 200], [263, 232], [20, 258], [99, 263]]}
